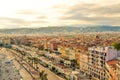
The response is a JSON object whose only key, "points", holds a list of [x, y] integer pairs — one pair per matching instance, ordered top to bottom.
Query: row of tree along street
{"points": [[31, 61], [34, 61]]}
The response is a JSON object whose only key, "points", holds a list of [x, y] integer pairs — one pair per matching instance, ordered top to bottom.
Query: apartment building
{"points": [[45, 44], [53, 44], [67, 52], [82, 59], [99, 62]]}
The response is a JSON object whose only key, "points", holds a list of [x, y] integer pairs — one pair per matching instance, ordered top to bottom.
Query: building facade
{"points": [[101, 64]]}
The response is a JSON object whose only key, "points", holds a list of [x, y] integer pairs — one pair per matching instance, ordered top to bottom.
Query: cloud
{"points": [[111, 9], [27, 12], [58, 12], [97, 14], [42, 17], [12, 20], [7, 22]]}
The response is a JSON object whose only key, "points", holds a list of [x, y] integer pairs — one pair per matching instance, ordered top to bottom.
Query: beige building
{"points": [[45, 45], [67, 52], [82, 60]]}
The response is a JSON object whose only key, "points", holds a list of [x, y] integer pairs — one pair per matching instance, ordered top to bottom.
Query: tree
{"points": [[116, 45], [30, 59], [35, 62], [73, 63], [42, 75]]}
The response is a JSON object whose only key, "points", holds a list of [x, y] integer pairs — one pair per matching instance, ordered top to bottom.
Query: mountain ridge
{"points": [[62, 29]]}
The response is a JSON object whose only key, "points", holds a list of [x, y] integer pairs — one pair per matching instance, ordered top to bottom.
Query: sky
{"points": [[42, 13]]}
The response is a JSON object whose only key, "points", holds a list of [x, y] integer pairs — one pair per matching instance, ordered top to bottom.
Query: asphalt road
{"points": [[51, 75]]}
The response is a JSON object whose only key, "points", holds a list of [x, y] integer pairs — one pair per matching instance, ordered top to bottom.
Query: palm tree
{"points": [[23, 54], [30, 59], [35, 62], [42, 75]]}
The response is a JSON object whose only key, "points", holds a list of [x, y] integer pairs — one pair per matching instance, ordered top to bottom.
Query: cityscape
{"points": [[60, 40], [94, 56]]}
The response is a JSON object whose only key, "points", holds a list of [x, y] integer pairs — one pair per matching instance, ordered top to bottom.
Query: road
{"points": [[51, 75]]}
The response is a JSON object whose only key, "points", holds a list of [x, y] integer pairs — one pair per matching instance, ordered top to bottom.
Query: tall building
{"points": [[81, 56], [101, 62], [97, 63]]}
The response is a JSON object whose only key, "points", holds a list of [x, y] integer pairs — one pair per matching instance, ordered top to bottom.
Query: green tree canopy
{"points": [[116, 45], [43, 75]]}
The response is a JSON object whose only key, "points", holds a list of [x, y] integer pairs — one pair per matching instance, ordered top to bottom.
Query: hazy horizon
{"points": [[37, 13]]}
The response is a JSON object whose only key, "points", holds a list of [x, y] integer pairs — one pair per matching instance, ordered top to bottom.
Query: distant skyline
{"points": [[41, 13]]}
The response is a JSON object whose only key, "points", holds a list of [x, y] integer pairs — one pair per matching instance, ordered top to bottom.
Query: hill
{"points": [[63, 29]]}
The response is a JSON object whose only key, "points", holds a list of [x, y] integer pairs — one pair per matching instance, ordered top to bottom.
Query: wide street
{"points": [[34, 52], [17, 67], [25, 75], [50, 75]]}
